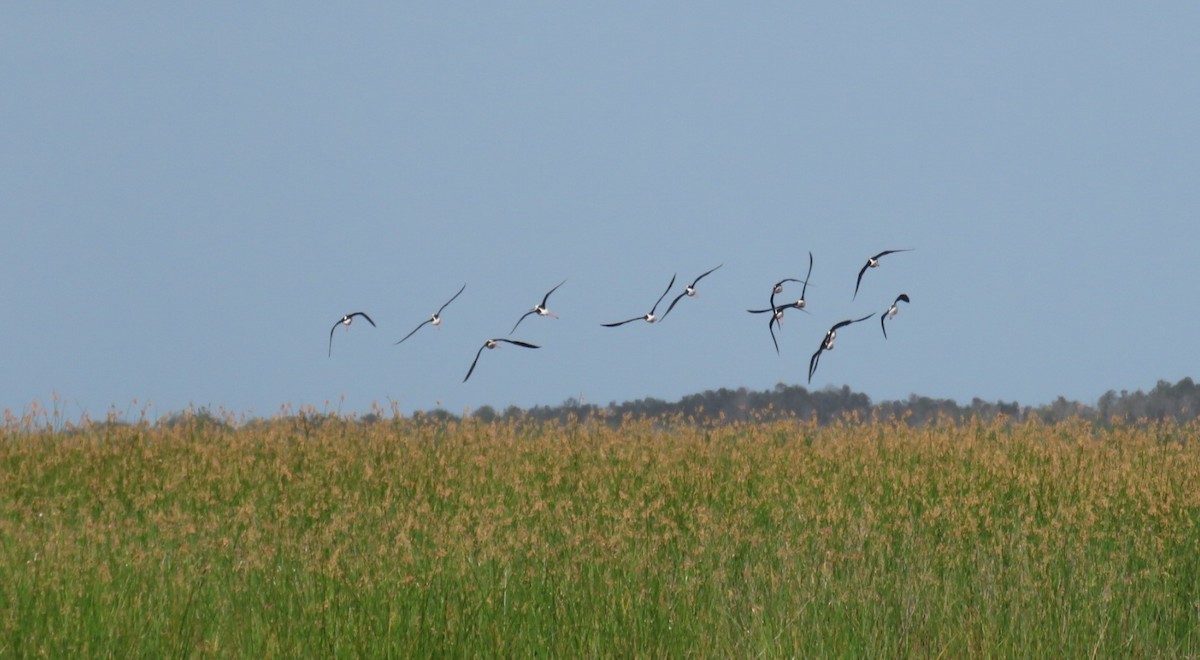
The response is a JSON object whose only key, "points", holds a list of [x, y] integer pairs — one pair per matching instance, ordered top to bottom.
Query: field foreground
{"points": [[322, 536]]}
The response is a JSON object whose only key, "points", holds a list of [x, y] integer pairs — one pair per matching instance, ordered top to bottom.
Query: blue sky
{"points": [[191, 196]]}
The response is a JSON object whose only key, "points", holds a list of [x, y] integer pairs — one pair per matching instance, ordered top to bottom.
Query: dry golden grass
{"points": [[320, 535]]}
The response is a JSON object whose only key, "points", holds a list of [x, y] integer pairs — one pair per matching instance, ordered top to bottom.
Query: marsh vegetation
{"points": [[322, 535]]}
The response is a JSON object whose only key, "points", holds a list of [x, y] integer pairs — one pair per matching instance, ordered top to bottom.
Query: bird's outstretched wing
{"points": [[704, 275], [807, 277], [858, 283], [664, 294], [546, 297], [672, 305], [439, 312], [364, 315], [521, 319], [842, 324], [414, 330], [331, 331], [515, 342], [814, 360], [475, 361]]}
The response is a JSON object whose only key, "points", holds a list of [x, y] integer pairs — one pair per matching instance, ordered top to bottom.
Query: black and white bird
{"points": [[873, 262], [778, 288], [689, 291], [799, 304], [539, 309], [778, 310], [892, 312], [648, 317], [436, 319], [776, 319], [346, 321], [495, 343], [827, 343]]}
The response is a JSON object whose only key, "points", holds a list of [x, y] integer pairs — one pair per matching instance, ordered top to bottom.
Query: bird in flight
{"points": [[873, 262], [778, 288], [690, 291], [539, 309], [777, 310], [892, 312], [648, 317], [436, 319], [776, 319], [346, 321], [495, 343], [827, 343]]}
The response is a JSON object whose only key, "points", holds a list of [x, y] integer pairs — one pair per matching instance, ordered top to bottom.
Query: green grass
{"points": [[775, 539]]}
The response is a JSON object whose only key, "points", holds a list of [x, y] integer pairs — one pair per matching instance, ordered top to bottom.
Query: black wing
{"points": [[887, 252], [704, 275], [808, 276], [859, 281], [464, 286], [664, 293], [547, 296], [901, 297], [672, 305], [776, 308], [364, 315], [522, 319], [882, 319], [842, 324], [613, 325], [771, 327], [414, 330], [331, 331], [516, 342], [814, 360], [475, 361]]}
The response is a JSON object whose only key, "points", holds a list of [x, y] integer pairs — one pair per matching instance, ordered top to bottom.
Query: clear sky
{"points": [[191, 195]]}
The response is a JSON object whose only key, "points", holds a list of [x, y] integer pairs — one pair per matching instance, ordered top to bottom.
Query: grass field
{"points": [[321, 536]]}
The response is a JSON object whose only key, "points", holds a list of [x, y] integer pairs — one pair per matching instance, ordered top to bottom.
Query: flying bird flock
{"points": [[775, 312]]}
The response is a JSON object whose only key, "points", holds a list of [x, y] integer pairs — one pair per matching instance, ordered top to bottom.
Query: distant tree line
{"points": [[1179, 402]]}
